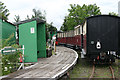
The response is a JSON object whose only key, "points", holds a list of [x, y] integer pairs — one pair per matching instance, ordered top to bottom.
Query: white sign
{"points": [[32, 30], [54, 37], [98, 45], [9, 51]]}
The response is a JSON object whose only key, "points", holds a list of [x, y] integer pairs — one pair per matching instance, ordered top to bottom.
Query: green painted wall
{"points": [[7, 29], [0, 30], [29, 40], [41, 40], [0, 46]]}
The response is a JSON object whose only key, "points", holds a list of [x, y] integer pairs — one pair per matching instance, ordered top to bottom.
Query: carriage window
{"points": [[78, 30], [74, 31], [64, 34], [69, 34], [60, 35]]}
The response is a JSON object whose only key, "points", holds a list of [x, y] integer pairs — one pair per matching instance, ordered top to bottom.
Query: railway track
{"points": [[93, 71]]}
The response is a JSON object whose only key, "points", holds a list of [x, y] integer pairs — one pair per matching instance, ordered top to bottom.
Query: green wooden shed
{"points": [[6, 28], [32, 35]]}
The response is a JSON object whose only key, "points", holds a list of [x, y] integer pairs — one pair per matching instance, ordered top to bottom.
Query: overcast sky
{"points": [[55, 9]]}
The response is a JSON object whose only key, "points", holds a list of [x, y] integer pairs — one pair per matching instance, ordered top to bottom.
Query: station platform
{"points": [[50, 68]]}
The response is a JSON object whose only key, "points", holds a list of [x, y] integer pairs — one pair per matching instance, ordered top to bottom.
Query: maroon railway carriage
{"points": [[77, 36], [70, 38], [97, 38], [61, 39]]}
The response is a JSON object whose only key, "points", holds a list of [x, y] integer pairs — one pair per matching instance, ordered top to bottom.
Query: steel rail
{"points": [[93, 70], [112, 72]]}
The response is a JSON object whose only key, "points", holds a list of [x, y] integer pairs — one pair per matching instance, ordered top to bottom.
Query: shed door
{"points": [[28, 38]]}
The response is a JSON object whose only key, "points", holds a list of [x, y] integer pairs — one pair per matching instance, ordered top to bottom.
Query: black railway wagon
{"points": [[102, 40]]}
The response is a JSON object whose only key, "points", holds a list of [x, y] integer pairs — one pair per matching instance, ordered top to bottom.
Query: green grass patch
{"points": [[81, 70]]}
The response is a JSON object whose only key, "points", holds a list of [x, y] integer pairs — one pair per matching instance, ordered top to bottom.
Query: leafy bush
{"points": [[9, 41], [11, 60], [10, 63]]}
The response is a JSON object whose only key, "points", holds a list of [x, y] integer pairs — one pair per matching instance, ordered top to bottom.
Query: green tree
{"points": [[4, 13], [113, 13], [37, 14], [77, 15], [27, 17], [17, 18], [50, 28]]}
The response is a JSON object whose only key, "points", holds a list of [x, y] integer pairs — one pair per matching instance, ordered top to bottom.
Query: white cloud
{"points": [[55, 9]]}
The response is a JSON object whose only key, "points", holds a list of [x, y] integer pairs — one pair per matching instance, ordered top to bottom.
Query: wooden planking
{"points": [[48, 67], [54, 71]]}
